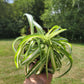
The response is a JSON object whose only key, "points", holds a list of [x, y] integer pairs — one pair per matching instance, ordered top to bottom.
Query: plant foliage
{"points": [[42, 48]]}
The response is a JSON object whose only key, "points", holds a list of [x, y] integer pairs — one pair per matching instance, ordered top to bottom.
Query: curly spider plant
{"points": [[43, 47]]}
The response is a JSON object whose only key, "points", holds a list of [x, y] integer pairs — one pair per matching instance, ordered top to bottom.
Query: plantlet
{"points": [[41, 49]]}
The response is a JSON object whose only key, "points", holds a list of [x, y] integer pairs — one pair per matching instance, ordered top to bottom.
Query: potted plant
{"points": [[41, 53]]}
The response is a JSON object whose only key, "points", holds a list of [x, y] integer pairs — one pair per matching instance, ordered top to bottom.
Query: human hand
{"points": [[39, 79]]}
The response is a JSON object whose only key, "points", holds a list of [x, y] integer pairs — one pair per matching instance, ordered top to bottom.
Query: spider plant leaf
{"points": [[30, 20], [33, 23], [38, 27], [55, 28], [56, 33], [30, 37], [60, 39], [14, 42], [58, 43], [22, 44], [62, 44], [39, 45], [69, 46], [29, 48], [47, 50], [17, 55], [31, 57], [69, 57], [58, 59], [53, 61], [36, 67], [26, 69], [40, 69]]}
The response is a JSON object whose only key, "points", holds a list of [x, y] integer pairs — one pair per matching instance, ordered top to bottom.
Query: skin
{"points": [[39, 79]]}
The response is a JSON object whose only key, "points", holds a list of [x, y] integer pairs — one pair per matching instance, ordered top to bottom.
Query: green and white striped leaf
{"points": [[30, 20], [56, 33], [31, 57], [53, 61], [36, 67]]}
